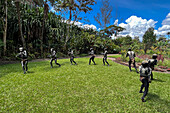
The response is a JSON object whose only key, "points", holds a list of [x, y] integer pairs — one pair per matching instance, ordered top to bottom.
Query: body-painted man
{"points": [[92, 56], [132, 56], [53, 57], [71, 57], [105, 57], [24, 62], [152, 63], [145, 72]]}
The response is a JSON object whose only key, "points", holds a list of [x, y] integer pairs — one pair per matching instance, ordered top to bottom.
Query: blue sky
{"points": [[135, 15]]}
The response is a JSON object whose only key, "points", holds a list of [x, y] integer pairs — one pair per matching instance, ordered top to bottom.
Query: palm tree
{"points": [[74, 5]]}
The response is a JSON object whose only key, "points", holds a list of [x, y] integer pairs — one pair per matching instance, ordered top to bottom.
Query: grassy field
{"points": [[115, 56], [79, 88]]}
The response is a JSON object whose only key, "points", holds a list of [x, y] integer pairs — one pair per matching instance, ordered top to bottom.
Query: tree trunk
{"points": [[20, 25], [43, 25], [5, 27], [68, 30], [42, 35], [145, 50]]}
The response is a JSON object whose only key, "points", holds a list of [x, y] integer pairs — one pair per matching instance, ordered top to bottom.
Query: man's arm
{"points": [[127, 54], [134, 54], [18, 55], [150, 70]]}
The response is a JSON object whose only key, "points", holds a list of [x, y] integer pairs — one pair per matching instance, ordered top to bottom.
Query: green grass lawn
{"points": [[115, 56], [79, 88]]}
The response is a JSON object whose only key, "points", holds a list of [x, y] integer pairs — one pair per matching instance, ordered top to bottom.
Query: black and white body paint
{"points": [[92, 56], [132, 56], [53, 57], [72, 57], [105, 57], [24, 62], [152, 63], [145, 72]]}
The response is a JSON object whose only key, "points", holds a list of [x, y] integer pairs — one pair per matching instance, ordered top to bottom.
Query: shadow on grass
{"points": [[64, 63], [8, 72], [30, 72], [158, 80], [157, 100]]}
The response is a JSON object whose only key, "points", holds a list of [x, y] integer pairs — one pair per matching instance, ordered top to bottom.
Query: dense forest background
{"points": [[30, 23]]}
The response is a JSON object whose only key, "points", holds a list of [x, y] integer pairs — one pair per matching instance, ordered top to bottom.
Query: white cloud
{"points": [[52, 10], [116, 22], [81, 25], [86, 26], [136, 26], [165, 26]]}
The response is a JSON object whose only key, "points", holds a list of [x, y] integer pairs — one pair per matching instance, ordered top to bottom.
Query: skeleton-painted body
{"points": [[92, 56], [132, 56], [53, 57], [72, 57], [105, 57], [24, 62], [152, 63], [145, 72]]}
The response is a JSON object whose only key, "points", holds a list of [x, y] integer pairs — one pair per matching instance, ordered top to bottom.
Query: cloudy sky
{"points": [[134, 15]]}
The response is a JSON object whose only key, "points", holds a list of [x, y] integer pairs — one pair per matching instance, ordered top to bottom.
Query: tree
{"points": [[17, 3], [72, 6], [4, 12], [103, 18], [43, 24], [112, 29], [136, 38], [149, 38], [162, 38], [127, 40]]}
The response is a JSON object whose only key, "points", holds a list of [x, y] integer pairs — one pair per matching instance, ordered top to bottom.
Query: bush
{"points": [[123, 53], [60, 54], [83, 55], [165, 63]]}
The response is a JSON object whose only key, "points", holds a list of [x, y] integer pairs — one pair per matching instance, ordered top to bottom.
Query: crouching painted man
{"points": [[23, 55], [92, 56], [132, 56], [53, 57], [71, 57], [105, 57], [152, 63], [145, 72]]}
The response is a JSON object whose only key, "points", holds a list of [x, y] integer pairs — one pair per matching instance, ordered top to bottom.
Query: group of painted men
{"points": [[24, 55], [145, 69]]}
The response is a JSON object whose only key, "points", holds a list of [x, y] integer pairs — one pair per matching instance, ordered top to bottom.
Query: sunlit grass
{"points": [[115, 56], [79, 88]]}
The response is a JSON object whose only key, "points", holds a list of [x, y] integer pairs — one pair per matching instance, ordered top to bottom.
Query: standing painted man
{"points": [[23, 55], [92, 56], [132, 56], [53, 57], [72, 57], [105, 57], [152, 63], [145, 72]]}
